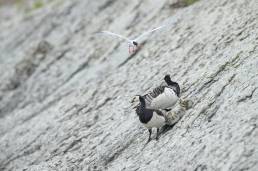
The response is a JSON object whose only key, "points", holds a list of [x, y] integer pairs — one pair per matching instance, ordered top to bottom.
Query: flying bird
{"points": [[134, 43]]}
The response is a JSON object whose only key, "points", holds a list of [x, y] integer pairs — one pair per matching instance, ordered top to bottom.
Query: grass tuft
{"points": [[189, 2], [38, 4]]}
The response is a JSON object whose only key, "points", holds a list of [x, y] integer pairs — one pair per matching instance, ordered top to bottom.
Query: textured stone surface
{"points": [[64, 94]]}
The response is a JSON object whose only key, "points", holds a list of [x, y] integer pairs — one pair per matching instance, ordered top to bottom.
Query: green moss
{"points": [[18, 2], [189, 2], [38, 4]]}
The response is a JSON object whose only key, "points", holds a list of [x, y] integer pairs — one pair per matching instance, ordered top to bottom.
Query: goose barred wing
{"points": [[156, 92], [153, 94], [163, 97], [161, 112]]}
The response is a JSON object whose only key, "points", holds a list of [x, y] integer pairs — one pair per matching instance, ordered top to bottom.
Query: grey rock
{"points": [[65, 102]]}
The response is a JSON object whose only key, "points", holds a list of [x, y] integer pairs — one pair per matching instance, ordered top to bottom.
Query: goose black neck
{"points": [[169, 81], [173, 84], [142, 101], [140, 110], [144, 114]]}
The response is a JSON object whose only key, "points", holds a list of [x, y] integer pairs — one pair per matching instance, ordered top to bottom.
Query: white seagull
{"points": [[132, 42]]}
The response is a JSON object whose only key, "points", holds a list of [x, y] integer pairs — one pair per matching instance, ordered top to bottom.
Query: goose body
{"points": [[164, 96], [150, 118]]}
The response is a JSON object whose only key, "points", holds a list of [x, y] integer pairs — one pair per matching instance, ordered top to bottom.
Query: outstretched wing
{"points": [[148, 32], [115, 35]]}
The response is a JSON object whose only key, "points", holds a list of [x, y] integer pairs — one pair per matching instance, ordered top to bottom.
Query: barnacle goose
{"points": [[163, 97], [150, 118]]}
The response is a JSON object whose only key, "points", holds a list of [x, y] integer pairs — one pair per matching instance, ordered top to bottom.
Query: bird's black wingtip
{"points": [[135, 43]]}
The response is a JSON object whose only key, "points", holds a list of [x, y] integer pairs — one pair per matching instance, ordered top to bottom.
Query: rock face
{"points": [[65, 94]]}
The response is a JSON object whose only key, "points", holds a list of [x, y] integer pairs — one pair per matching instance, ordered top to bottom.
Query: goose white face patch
{"points": [[165, 100], [135, 101]]}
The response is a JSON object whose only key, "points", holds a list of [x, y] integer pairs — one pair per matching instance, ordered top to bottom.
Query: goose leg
{"points": [[149, 135], [157, 136]]}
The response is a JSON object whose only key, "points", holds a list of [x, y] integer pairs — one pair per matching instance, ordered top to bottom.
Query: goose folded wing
{"points": [[157, 91], [160, 113]]}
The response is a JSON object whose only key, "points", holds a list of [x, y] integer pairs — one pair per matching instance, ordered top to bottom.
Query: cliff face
{"points": [[65, 94]]}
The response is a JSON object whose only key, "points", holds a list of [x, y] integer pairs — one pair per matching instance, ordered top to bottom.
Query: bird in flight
{"points": [[132, 43]]}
